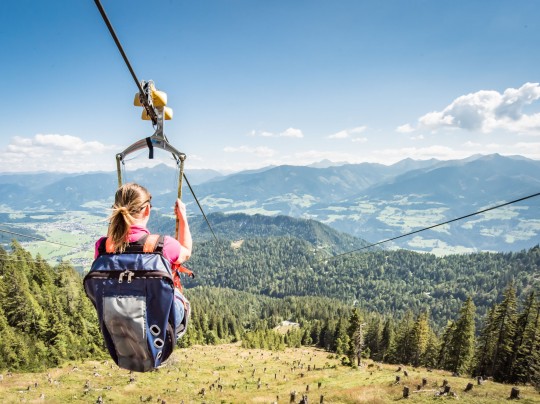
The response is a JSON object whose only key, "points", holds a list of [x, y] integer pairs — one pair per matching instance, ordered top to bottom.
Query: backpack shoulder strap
{"points": [[150, 243], [153, 243], [146, 244], [106, 246], [109, 248]]}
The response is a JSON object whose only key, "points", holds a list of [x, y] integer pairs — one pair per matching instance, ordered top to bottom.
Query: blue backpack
{"points": [[133, 294]]}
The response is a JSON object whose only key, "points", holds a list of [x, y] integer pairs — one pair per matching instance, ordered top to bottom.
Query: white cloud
{"points": [[486, 111], [407, 128], [358, 129], [292, 132], [262, 133], [346, 133], [339, 135], [359, 140], [471, 144], [494, 146], [527, 149], [261, 151], [53, 152], [419, 153], [313, 156], [382, 156], [389, 156], [250, 160]]}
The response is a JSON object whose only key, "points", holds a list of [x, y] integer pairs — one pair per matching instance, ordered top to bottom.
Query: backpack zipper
{"points": [[122, 274], [129, 274]]}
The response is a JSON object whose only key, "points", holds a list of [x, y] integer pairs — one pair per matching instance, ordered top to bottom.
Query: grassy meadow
{"points": [[79, 229], [231, 374]]}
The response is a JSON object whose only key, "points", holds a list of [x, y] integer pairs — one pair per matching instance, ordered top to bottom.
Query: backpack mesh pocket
{"points": [[125, 320]]}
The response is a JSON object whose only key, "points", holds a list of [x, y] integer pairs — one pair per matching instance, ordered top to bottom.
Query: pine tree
{"points": [[3, 260], [42, 274], [20, 307], [204, 323], [233, 329], [504, 329], [220, 330], [328, 331], [315, 333], [356, 338], [374, 338], [88, 339], [341, 339], [419, 339], [403, 340], [463, 340], [387, 341], [486, 345], [432, 350], [14, 353], [445, 355], [526, 365]]}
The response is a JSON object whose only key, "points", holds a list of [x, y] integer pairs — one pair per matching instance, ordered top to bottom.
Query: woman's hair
{"points": [[129, 201]]}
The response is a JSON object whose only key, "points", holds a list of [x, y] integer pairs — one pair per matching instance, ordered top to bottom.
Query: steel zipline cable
{"points": [[147, 106], [200, 207], [432, 227]]}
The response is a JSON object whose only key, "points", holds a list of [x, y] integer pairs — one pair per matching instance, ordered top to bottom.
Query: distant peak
{"points": [[327, 163]]}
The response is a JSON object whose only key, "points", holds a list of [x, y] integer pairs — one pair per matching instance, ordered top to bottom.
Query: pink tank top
{"points": [[171, 246]]}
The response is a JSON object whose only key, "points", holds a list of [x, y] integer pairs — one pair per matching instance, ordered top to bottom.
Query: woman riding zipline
{"points": [[127, 224], [134, 282]]}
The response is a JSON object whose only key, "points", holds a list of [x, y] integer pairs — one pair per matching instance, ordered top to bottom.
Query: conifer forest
{"points": [[480, 315]]}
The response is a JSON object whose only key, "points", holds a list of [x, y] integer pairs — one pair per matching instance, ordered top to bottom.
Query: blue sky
{"points": [[255, 83]]}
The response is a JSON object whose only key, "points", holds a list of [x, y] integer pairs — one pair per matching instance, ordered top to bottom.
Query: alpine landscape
{"points": [[229, 202], [291, 274]]}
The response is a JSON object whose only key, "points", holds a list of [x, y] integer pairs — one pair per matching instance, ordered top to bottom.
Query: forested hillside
{"points": [[237, 226], [387, 282], [45, 319]]}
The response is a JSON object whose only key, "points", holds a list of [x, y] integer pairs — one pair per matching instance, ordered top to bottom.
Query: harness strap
{"points": [[150, 147], [180, 177], [150, 243], [146, 244], [109, 247], [177, 269], [184, 270]]}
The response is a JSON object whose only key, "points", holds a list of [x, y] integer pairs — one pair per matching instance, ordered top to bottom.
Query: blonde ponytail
{"points": [[129, 201]]}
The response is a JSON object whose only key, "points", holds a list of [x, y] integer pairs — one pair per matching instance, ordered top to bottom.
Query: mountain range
{"points": [[371, 201]]}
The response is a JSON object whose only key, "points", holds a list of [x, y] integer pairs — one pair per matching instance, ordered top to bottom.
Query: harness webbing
{"points": [[181, 176], [150, 243], [147, 244]]}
